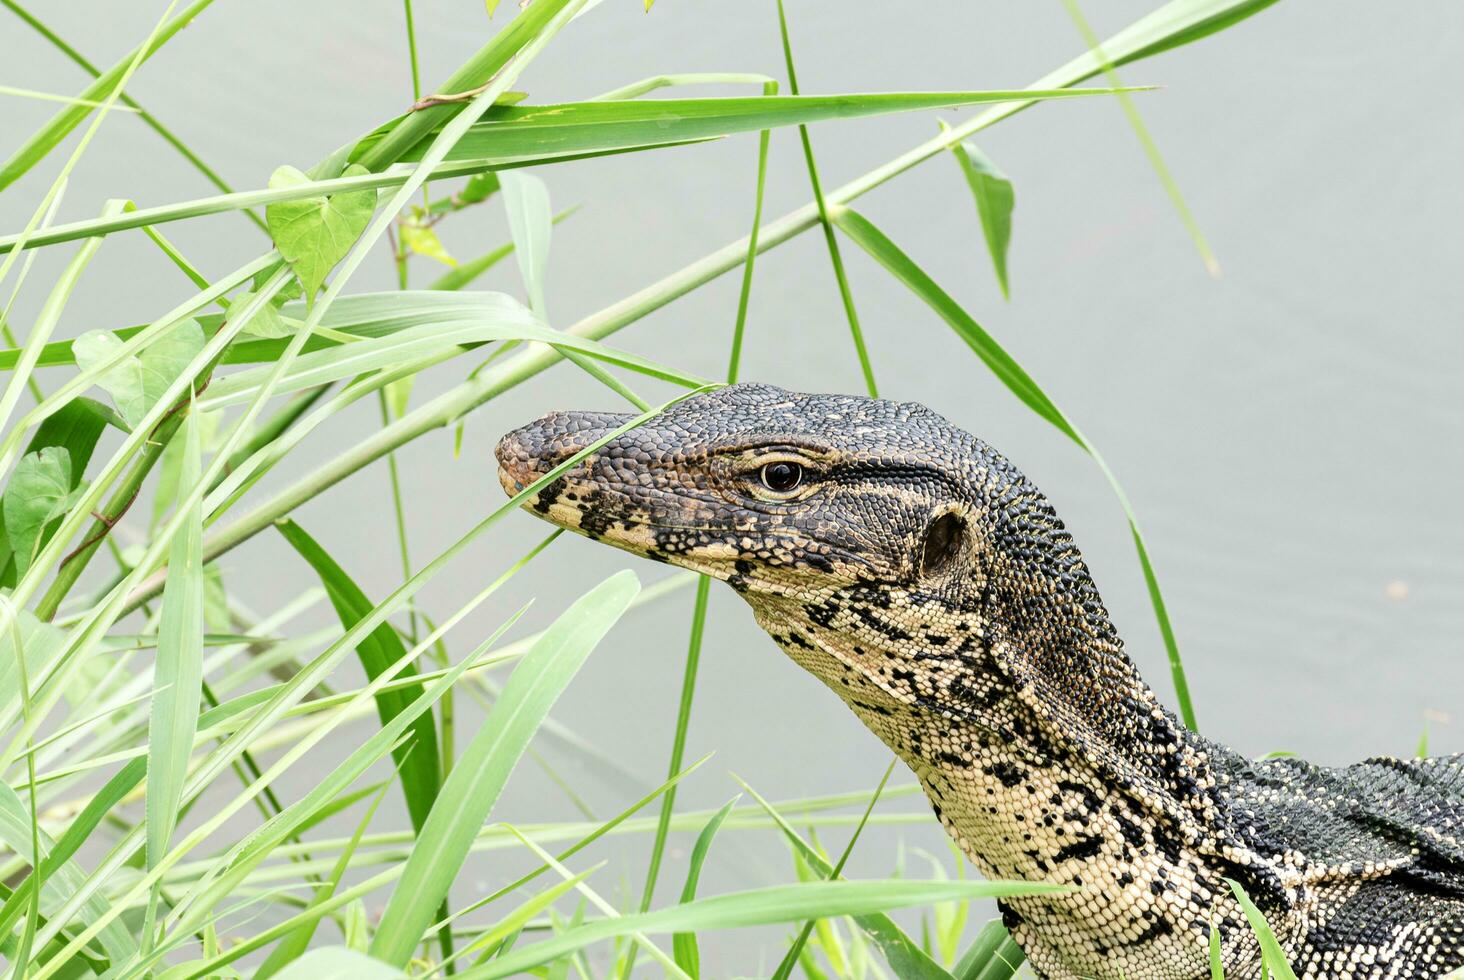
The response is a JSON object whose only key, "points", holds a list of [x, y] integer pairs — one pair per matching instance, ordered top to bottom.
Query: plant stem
{"points": [[116, 507]]}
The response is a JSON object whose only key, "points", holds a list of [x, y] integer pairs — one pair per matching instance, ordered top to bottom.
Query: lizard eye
{"points": [[781, 477]]}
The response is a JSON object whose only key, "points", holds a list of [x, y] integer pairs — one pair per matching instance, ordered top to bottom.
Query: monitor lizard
{"points": [[932, 586]]}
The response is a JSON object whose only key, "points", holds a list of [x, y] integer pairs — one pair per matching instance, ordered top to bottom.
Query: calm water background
{"points": [[1289, 433]]}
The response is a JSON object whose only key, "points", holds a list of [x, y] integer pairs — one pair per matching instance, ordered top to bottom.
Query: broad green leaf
{"points": [[580, 127], [994, 202], [530, 221], [315, 233], [137, 382], [75, 428], [40, 490], [178, 674], [417, 761], [468, 795], [758, 907], [684, 946], [1271, 951], [338, 963]]}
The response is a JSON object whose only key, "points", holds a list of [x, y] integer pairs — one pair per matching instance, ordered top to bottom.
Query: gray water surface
{"points": [[1289, 433]]}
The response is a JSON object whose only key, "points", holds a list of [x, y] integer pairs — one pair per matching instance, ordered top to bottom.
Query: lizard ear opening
{"points": [[944, 539]]}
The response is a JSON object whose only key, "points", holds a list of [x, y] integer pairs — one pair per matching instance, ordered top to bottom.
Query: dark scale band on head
{"points": [[929, 584]]}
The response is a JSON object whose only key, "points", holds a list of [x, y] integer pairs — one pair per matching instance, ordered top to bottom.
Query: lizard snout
{"points": [[528, 452]]}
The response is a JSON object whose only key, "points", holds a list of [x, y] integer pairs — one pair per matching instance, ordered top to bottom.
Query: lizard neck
{"points": [[1052, 765]]}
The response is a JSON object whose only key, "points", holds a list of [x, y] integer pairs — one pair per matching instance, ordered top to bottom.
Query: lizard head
{"points": [[770, 490]]}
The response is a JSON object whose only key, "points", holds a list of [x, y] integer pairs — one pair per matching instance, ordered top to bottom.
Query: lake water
{"points": [[1289, 433]]}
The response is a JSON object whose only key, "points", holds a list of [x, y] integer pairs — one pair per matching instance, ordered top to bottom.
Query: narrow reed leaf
{"points": [[597, 126], [1151, 148], [242, 200], [994, 202], [530, 220], [744, 294], [416, 343], [1020, 383], [178, 674], [417, 760], [468, 795], [758, 907], [828, 936], [295, 943], [683, 944], [904, 955], [1273, 956]]}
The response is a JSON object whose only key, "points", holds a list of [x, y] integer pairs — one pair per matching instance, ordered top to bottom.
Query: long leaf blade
{"points": [[472, 788]]}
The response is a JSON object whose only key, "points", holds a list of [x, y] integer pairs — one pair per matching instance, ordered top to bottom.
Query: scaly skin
{"points": [[920, 576]]}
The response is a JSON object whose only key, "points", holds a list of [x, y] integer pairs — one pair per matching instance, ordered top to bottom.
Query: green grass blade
{"points": [[478, 72], [579, 127], [1151, 149], [526, 199], [995, 199], [238, 200], [414, 344], [1020, 383], [178, 676], [678, 749], [417, 760], [472, 788], [757, 907], [295, 943], [683, 944], [903, 954], [1217, 955], [1273, 955], [785, 969]]}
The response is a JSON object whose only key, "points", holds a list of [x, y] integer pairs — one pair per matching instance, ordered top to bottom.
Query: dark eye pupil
{"points": [[782, 477]]}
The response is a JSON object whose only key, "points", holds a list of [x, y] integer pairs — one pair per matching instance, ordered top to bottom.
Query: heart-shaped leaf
{"points": [[315, 233], [139, 380], [38, 493]]}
